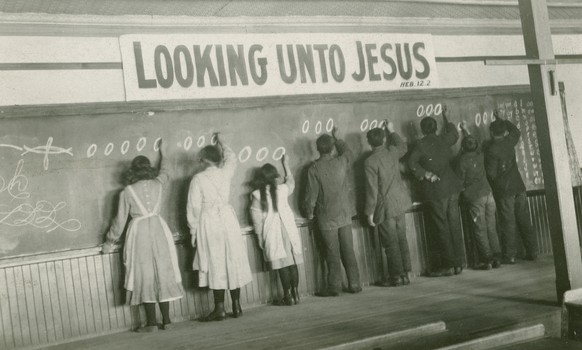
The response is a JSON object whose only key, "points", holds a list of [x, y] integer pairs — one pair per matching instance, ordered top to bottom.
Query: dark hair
{"points": [[428, 125], [498, 127], [376, 137], [325, 144], [469, 144], [211, 153], [141, 169], [267, 175]]}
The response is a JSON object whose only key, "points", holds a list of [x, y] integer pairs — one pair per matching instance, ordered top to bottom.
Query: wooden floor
{"points": [[474, 304]]}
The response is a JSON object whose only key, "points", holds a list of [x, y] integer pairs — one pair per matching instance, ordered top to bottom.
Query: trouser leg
{"points": [[477, 211], [506, 212], [438, 217], [491, 222], [526, 229], [455, 231], [389, 240], [403, 243], [348, 257], [332, 259]]}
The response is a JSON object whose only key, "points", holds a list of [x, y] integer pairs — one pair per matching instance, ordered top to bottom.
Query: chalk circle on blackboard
{"points": [[329, 125], [364, 125], [305, 127], [318, 127], [214, 139], [201, 141], [141, 143], [188, 143], [157, 144], [125, 147], [108, 149], [91, 150], [247, 150], [262, 153], [279, 153]]}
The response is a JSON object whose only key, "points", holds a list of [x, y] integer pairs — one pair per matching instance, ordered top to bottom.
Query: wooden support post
{"points": [[552, 144]]}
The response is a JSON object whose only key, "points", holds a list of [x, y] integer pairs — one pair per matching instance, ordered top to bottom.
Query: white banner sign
{"points": [[167, 67]]}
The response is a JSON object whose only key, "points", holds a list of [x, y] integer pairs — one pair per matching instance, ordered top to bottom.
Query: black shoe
{"points": [[531, 257], [509, 261], [496, 263], [484, 266], [458, 270], [442, 273], [405, 279], [383, 284], [354, 289], [327, 293], [295, 295], [285, 301], [236, 309], [215, 315], [166, 326]]}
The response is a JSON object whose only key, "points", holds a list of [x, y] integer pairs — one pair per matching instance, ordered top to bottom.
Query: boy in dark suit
{"points": [[440, 187], [509, 189], [387, 200]]}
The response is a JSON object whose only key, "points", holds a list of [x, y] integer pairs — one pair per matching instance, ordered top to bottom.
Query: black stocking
{"points": [[165, 309], [150, 310]]}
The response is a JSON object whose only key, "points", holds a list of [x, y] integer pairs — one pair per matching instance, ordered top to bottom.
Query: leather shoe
{"points": [[531, 257], [510, 261], [496, 264], [484, 266], [458, 270], [442, 273], [405, 279], [354, 289], [327, 293], [295, 295], [285, 301], [236, 309], [216, 315], [166, 326], [147, 329]]}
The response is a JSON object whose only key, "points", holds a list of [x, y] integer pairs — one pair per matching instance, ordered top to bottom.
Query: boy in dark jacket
{"points": [[509, 189], [478, 199], [387, 200]]}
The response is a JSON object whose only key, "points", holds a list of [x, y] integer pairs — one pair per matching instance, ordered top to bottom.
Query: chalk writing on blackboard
{"points": [[428, 110], [46, 150], [41, 215]]}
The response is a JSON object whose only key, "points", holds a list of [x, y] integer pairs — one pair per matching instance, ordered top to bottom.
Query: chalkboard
{"points": [[60, 175]]}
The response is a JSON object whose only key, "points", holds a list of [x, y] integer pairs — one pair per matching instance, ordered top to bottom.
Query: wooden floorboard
{"points": [[474, 304]]}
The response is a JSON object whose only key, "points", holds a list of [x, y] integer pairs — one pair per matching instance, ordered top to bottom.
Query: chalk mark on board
{"points": [[46, 150], [17, 185], [42, 215]]}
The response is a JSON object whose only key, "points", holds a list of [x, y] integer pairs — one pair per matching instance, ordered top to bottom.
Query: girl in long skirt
{"points": [[275, 227], [221, 253], [151, 265]]}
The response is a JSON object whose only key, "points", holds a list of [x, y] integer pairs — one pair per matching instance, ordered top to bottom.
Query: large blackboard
{"points": [[60, 175]]}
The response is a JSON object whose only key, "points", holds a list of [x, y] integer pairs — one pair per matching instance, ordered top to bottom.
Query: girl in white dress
{"points": [[275, 227], [221, 253], [151, 265]]}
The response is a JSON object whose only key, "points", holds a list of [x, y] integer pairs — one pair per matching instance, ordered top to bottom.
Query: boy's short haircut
{"points": [[428, 125], [498, 127], [375, 137], [325, 144], [469, 144]]}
